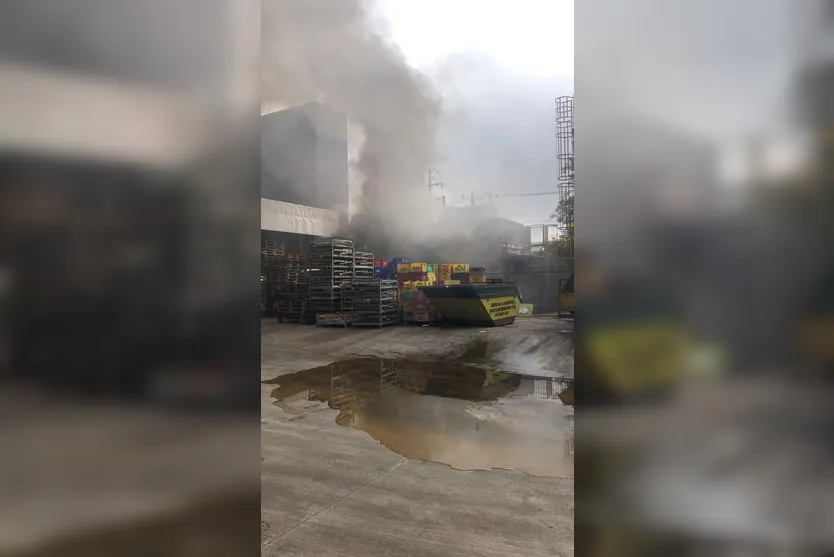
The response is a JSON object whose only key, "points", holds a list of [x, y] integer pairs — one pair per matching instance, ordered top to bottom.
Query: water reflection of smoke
{"points": [[469, 417]]}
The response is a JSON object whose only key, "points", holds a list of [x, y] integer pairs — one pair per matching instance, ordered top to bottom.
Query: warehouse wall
{"points": [[304, 157], [280, 216]]}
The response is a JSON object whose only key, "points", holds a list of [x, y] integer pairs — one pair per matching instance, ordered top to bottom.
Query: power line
{"points": [[527, 194]]}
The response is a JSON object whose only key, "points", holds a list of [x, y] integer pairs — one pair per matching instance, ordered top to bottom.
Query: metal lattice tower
{"points": [[815, 41], [564, 155]]}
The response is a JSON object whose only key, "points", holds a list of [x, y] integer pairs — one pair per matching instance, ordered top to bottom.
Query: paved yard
{"points": [[481, 472]]}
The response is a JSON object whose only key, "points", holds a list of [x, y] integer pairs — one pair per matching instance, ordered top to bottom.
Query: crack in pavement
{"points": [[332, 504]]}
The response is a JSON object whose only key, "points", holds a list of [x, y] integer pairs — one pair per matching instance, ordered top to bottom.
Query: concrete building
{"points": [[304, 157], [304, 171]]}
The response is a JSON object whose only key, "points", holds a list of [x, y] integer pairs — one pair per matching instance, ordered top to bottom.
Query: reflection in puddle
{"points": [[469, 417]]}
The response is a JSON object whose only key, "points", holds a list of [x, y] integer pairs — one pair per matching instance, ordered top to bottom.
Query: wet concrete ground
{"points": [[419, 441]]}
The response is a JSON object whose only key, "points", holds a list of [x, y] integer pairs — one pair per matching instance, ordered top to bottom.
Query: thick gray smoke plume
{"points": [[330, 51]]}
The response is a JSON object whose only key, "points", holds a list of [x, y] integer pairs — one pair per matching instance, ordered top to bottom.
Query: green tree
{"points": [[564, 215], [560, 251]]}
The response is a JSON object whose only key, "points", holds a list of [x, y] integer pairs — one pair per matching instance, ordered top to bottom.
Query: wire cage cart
{"points": [[363, 265], [331, 267], [373, 302]]}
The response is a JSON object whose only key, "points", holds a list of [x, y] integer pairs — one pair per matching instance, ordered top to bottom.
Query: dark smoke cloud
{"points": [[333, 52]]}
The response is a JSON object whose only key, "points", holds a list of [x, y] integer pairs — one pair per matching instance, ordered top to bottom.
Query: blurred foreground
{"points": [[128, 330], [724, 447], [102, 479]]}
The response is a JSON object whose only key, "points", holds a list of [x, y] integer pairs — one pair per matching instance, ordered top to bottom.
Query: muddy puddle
{"points": [[470, 417]]}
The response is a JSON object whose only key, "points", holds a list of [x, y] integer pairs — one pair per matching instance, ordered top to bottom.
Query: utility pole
{"points": [[434, 181]]}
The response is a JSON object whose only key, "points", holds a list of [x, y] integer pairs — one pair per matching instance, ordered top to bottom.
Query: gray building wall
{"points": [[304, 157]]}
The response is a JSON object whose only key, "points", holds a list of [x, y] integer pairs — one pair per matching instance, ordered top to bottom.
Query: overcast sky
{"points": [[499, 71]]}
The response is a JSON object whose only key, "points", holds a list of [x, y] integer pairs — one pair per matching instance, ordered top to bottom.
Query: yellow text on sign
{"points": [[502, 307]]}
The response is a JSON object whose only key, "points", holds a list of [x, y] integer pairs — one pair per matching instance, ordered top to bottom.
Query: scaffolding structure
{"points": [[565, 158]]}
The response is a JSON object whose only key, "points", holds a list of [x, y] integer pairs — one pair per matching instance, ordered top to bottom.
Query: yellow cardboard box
{"points": [[403, 267], [419, 268]]}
